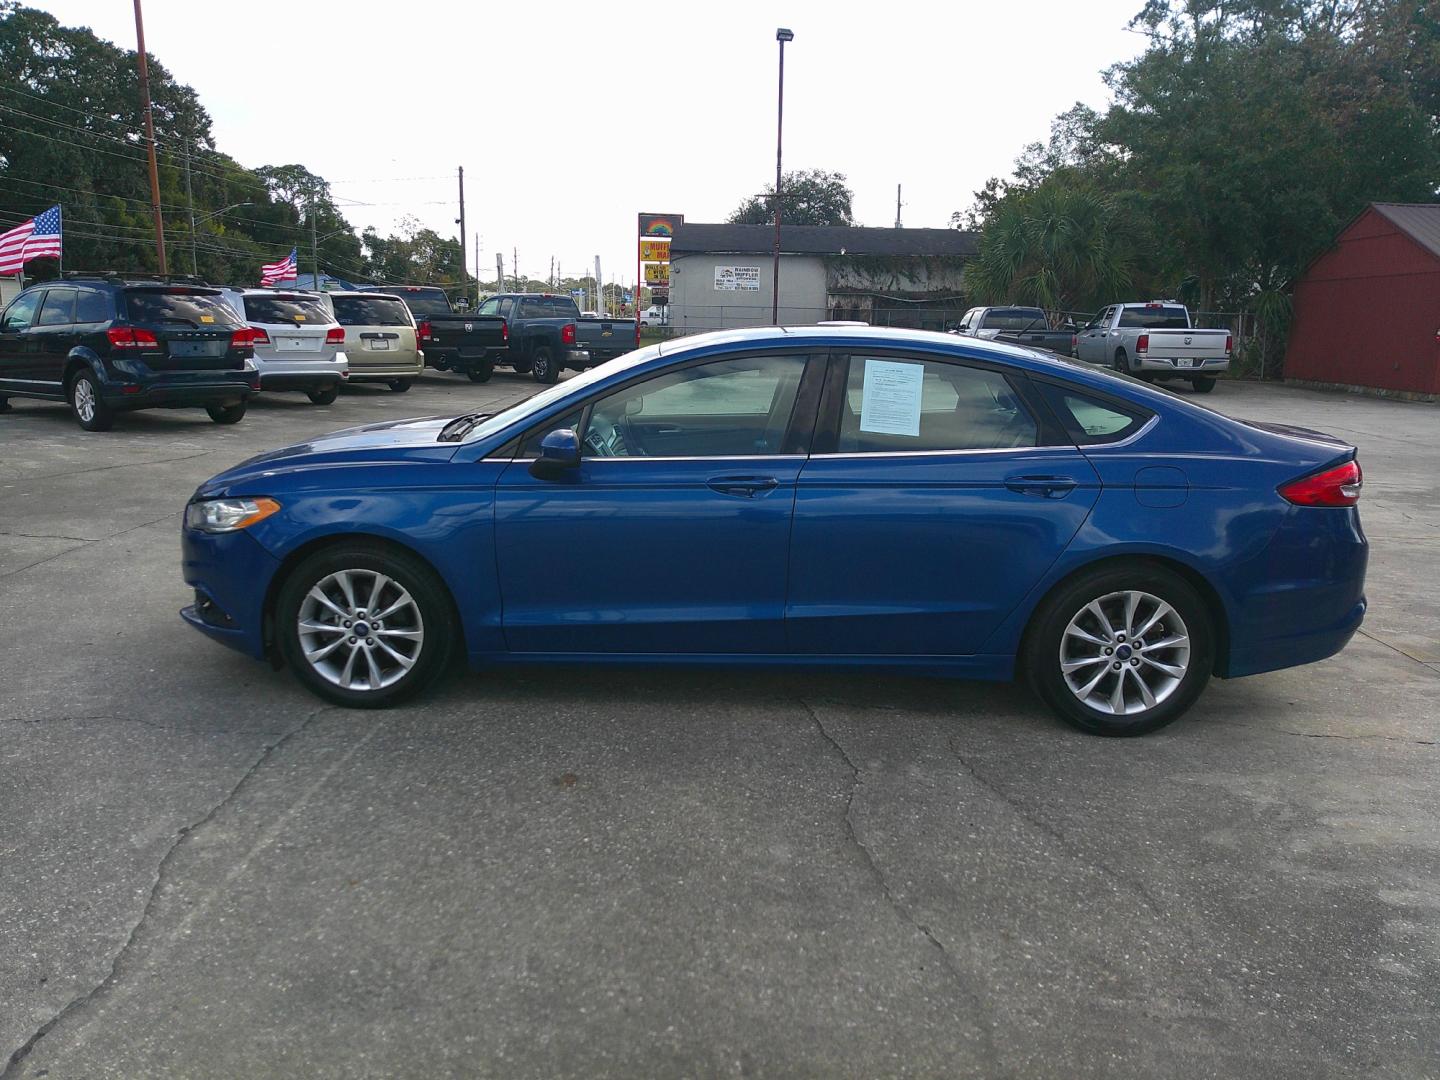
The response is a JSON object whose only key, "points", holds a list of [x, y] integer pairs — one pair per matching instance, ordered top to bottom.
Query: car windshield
{"points": [[425, 301], [170, 306], [285, 309], [369, 311], [1156, 317], [1013, 318], [530, 406]]}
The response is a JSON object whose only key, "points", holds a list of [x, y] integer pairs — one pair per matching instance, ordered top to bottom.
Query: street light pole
{"points": [[782, 36]]}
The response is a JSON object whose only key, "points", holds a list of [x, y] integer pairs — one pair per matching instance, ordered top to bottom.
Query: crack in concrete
{"points": [[124, 465], [52, 536], [82, 542], [1394, 648], [107, 718], [1347, 738], [1066, 845], [956, 972], [11, 1070]]}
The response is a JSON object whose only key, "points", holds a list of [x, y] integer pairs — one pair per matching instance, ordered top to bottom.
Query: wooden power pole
{"points": [[150, 136]]}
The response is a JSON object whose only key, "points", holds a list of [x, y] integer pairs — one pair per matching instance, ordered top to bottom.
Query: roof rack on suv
{"points": [[116, 277]]}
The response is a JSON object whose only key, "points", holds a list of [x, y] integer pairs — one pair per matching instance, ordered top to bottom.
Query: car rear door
{"points": [[937, 494], [673, 535]]}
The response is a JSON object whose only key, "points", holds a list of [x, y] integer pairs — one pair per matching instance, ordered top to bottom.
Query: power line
{"points": [[88, 114]]}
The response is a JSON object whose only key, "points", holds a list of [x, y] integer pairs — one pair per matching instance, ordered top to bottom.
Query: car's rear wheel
{"points": [[1122, 362], [543, 368], [480, 371], [1203, 384], [400, 385], [324, 396], [90, 410], [226, 414], [364, 625], [1121, 651]]}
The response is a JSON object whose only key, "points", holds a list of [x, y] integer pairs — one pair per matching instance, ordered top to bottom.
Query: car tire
{"points": [[1122, 362], [543, 368], [481, 372], [1203, 384], [400, 385], [325, 396], [86, 404], [5, 405], [226, 414], [415, 602], [1066, 661]]}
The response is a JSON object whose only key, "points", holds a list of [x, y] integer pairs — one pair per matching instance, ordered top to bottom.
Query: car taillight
{"points": [[423, 330], [505, 331], [567, 334], [637, 335], [335, 336], [128, 337], [246, 337], [1228, 341], [1074, 342], [1142, 343], [1339, 486]]}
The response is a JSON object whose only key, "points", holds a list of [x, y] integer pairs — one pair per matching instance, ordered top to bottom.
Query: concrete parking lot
{"points": [[556, 873]]}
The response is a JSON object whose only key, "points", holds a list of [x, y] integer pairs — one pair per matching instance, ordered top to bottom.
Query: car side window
{"points": [[91, 307], [489, 307], [58, 309], [20, 314], [899, 404], [736, 407], [1091, 420], [530, 443]]}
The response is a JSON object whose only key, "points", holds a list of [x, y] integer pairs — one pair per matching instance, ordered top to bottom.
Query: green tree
{"points": [[807, 197], [1059, 246], [415, 255]]}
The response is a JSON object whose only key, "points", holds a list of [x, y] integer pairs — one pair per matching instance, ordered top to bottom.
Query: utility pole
{"points": [[782, 35], [150, 136], [190, 204], [897, 206], [462, 231], [314, 247], [515, 266], [477, 267], [499, 272], [599, 289]]}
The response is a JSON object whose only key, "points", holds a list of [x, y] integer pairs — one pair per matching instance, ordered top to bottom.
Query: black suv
{"points": [[111, 343]]}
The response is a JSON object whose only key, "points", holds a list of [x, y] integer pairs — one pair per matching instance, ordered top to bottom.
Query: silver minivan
{"points": [[379, 338], [298, 343]]}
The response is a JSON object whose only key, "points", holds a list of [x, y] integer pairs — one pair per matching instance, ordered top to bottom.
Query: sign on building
{"points": [[660, 224], [657, 251], [657, 275], [737, 278]]}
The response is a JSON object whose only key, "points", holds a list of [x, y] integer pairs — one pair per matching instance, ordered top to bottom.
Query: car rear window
{"points": [[425, 301], [178, 306], [547, 307], [285, 309], [369, 311], [1159, 317], [1013, 319], [1091, 420]]}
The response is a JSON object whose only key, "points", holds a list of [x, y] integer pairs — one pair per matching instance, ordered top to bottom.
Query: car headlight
{"points": [[228, 515]]}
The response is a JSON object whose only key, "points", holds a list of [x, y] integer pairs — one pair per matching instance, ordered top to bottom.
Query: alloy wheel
{"points": [[84, 400], [360, 629], [1125, 652]]}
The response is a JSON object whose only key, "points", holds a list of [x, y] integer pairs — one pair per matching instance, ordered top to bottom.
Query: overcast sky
{"points": [[569, 121]]}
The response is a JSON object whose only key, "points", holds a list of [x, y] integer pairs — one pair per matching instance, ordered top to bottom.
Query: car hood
{"points": [[398, 440]]}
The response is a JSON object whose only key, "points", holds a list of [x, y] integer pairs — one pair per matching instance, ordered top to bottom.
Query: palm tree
{"points": [[1057, 247]]}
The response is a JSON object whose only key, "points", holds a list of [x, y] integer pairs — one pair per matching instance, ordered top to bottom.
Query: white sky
{"points": [[569, 121]]}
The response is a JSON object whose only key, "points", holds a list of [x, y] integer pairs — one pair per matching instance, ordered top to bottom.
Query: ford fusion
{"points": [[839, 497]]}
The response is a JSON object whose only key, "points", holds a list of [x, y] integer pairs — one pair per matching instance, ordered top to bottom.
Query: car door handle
{"points": [[746, 487], [1046, 487]]}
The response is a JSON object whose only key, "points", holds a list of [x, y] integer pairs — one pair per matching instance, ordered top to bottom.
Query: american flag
{"points": [[37, 238], [285, 270]]}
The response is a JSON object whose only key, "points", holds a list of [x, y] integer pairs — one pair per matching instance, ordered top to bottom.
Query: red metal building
{"points": [[1367, 311]]}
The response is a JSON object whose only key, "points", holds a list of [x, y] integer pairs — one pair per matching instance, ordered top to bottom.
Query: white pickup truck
{"points": [[1154, 340]]}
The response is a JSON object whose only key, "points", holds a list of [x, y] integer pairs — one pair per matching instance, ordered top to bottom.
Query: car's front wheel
{"points": [[480, 371], [1203, 384], [400, 385], [324, 395], [90, 410], [227, 414], [365, 625], [1121, 651]]}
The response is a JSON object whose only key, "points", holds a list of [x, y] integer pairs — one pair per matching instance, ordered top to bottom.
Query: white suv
{"points": [[298, 343]]}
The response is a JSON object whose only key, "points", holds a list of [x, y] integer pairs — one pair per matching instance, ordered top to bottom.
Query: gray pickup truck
{"points": [[1026, 326], [547, 334], [1155, 340]]}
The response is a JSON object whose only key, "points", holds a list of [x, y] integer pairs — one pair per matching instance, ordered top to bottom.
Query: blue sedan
{"points": [[827, 496]]}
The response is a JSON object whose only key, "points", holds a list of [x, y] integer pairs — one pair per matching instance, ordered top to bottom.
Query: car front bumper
{"points": [[231, 574]]}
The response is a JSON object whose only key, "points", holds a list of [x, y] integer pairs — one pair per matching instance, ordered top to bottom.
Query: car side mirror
{"points": [[559, 453]]}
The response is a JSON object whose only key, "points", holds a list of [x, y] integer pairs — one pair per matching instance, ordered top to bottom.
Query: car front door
{"points": [[52, 337], [1091, 341], [15, 365], [936, 496], [673, 534]]}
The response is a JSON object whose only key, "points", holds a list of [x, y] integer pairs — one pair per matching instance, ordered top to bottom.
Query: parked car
{"points": [[1028, 326], [547, 334], [380, 338], [1155, 340], [298, 343], [470, 343], [109, 344], [841, 497]]}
